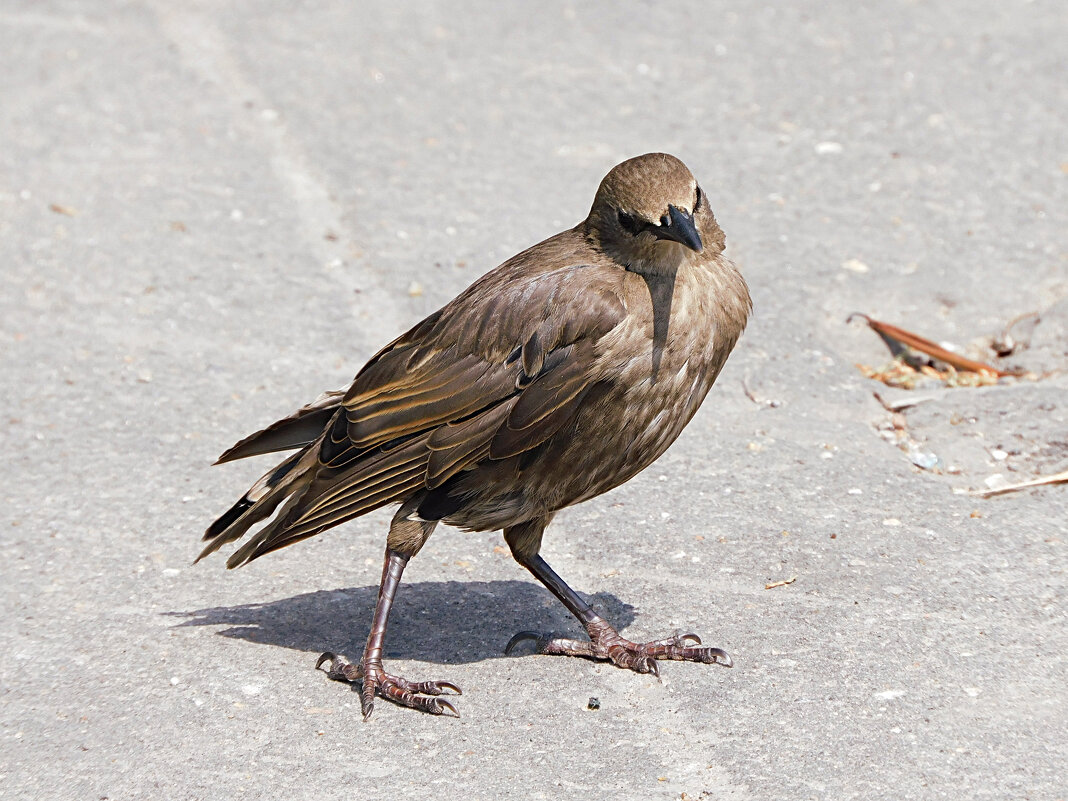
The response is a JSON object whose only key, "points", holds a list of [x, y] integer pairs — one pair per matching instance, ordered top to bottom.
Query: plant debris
{"points": [[1005, 344], [918, 360], [900, 374], [769, 402], [900, 404], [895, 430], [1056, 478], [781, 583]]}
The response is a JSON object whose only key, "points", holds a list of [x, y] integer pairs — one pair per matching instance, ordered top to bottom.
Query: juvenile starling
{"points": [[555, 377]]}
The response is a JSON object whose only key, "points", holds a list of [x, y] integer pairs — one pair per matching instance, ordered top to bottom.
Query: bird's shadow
{"points": [[434, 621]]}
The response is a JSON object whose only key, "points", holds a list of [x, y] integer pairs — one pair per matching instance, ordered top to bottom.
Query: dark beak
{"points": [[678, 226]]}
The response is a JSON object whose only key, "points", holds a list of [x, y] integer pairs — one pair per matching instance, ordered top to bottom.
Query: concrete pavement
{"points": [[211, 212]]}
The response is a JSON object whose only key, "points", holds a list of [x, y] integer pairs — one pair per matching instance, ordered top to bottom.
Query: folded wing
{"points": [[489, 376]]}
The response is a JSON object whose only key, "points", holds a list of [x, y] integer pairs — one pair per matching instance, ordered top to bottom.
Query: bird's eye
{"points": [[697, 202], [629, 223]]}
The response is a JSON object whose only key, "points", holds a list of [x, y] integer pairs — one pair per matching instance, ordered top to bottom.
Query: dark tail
{"points": [[301, 430], [289, 478]]}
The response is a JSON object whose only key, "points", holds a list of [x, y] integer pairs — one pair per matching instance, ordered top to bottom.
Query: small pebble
{"points": [[923, 460], [593, 703]]}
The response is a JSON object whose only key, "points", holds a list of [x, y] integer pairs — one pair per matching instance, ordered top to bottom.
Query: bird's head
{"points": [[649, 213]]}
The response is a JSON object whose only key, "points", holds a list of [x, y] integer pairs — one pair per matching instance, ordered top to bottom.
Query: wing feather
{"points": [[496, 372], [299, 429], [455, 445]]}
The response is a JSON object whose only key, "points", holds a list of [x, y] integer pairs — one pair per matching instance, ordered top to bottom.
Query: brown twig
{"points": [[771, 404], [1056, 478], [782, 583]]}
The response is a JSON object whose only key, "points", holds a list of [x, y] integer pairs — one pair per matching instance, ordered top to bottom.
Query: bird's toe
{"points": [[340, 669]]}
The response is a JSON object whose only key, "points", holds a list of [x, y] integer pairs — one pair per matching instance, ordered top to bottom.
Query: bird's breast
{"points": [[647, 378], [654, 381]]}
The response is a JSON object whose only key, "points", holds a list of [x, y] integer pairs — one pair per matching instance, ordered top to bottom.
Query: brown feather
{"points": [[552, 378], [299, 429], [454, 446]]}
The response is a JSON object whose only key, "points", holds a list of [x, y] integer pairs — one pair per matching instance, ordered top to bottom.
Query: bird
{"points": [[553, 378]]}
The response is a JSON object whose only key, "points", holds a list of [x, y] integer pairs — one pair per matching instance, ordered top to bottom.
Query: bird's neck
{"points": [[661, 258]]}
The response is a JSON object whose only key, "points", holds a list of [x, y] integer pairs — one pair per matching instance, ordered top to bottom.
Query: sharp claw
{"points": [[520, 637], [691, 637], [326, 657], [724, 658], [654, 668], [448, 685], [441, 702], [367, 711]]}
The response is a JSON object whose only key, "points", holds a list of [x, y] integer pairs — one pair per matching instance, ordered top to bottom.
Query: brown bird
{"points": [[553, 378]]}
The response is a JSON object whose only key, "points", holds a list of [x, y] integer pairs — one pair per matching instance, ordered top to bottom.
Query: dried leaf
{"points": [[67, 210], [898, 340]]}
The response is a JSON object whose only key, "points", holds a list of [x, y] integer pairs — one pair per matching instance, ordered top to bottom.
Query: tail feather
{"points": [[296, 431], [313, 495], [257, 504], [304, 515], [225, 521], [282, 533], [248, 551]]}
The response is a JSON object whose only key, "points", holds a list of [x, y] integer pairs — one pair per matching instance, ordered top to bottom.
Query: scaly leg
{"points": [[605, 642], [370, 671]]}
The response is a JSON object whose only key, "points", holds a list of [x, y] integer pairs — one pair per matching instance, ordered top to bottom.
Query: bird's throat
{"points": [[657, 258]]}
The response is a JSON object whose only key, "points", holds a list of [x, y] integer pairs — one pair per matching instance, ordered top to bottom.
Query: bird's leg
{"points": [[605, 642], [370, 671]]}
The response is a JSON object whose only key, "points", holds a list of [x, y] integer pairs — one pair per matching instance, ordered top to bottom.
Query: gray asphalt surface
{"points": [[210, 212]]}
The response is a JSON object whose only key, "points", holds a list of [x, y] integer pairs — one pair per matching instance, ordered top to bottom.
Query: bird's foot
{"points": [[606, 643], [419, 695]]}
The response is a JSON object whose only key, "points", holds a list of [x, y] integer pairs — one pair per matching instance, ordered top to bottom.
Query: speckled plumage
{"points": [[553, 378]]}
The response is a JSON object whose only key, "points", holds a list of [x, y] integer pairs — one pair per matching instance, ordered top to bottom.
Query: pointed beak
{"points": [[678, 226]]}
